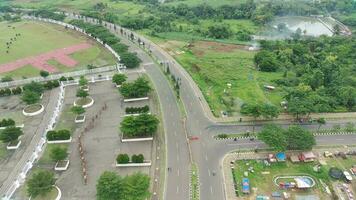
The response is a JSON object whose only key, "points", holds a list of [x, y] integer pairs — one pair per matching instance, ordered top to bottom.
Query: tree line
{"points": [[318, 73]]}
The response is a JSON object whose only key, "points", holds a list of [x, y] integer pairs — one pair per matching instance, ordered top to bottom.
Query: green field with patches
{"points": [[37, 38], [213, 65]]}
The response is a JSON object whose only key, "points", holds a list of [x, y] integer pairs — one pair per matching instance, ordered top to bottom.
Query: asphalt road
{"points": [[207, 153]]}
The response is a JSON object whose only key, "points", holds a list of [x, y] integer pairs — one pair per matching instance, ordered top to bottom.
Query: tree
{"points": [[219, 31], [130, 60], [266, 61], [44, 74], [118, 79], [83, 81], [34, 87], [137, 89], [82, 94], [30, 97], [348, 97], [299, 106], [78, 110], [252, 110], [269, 111], [321, 121], [139, 126], [10, 134], [274, 136], [299, 138], [58, 153], [122, 159], [40, 183], [110, 186], [136, 187]]}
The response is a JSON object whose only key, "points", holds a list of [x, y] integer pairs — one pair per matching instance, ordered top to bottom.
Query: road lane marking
{"points": [[177, 145], [206, 157], [178, 172], [209, 172], [177, 189], [211, 189]]}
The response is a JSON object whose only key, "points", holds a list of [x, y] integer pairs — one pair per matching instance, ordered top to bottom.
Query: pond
{"points": [[311, 26]]}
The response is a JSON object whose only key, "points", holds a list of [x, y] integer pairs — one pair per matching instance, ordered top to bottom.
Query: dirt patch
{"points": [[200, 47]]}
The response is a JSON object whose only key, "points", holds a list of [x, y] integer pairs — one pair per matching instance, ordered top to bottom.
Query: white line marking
{"points": [[206, 157], [178, 172], [177, 189], [211, 189]]}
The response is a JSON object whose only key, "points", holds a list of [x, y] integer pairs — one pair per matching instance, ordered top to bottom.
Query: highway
{"points": [[206, 152]]}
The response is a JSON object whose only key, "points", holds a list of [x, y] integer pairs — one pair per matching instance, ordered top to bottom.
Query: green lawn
{"points": [[37, 38], [213, 65], [264, 182], [49, 196]]}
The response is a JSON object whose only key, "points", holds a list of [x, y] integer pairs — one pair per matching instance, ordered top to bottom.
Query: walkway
{"points": [[38, 131]]}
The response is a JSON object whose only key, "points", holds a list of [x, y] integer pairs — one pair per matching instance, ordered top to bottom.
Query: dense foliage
{"points": [[45, 13], [130, 60], [319, 73], [118, 79], [139, 88], [133, 110], [7, 122], [143, 125], [10, 134], [58, 135], [294, 138], [58, 153], [122, 159], [40, 183], [112, 186]]}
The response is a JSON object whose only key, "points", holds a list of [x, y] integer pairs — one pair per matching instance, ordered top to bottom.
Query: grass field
{"points": [[37, 38], [213, 65], [264, 182]]}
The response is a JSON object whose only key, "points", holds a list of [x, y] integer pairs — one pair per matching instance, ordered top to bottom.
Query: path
{"points": [[37, 131]]}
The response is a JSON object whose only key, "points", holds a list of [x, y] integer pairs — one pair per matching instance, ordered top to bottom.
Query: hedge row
{"points": [[133, 110], [7, 122], [58, 135], [125, 159]]}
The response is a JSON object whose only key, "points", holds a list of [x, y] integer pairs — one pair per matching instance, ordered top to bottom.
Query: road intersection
{"points": [[197, 121]]}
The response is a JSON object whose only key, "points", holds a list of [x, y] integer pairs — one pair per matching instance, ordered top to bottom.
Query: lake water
{"points": [[312, 26]]}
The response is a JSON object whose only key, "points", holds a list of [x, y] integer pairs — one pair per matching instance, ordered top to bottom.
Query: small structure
{"points": [[269, 87], [307, 156], [281, 157], [271, 158], [294, 159], [353, 170], [335, 173], [348, 176], [303, 182], [245, 186], [261, 197]]}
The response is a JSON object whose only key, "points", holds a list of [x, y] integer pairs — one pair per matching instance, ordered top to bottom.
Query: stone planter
{"points": [[118, 86], [85, 88], [136, 99], [89, 102], [32, 110], [136, 114], [79, 119], [18, 126], [59, 141], [13, 145], [146, 163], [61, 165]]}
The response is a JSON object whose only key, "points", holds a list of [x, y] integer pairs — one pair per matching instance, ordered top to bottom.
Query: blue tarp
{"points": [[281, 156], [245, 185]]}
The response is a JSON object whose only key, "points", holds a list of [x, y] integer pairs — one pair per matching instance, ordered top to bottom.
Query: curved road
{"points": [[206, 152]]}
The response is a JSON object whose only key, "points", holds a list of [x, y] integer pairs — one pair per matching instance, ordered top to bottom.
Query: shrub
{"points": [[44, 74], [6, 79], [62, 79], [118, 79], [34, 87], [137, 89], [17, 90], [5, 92], [77, 110], [131, 110], [7, 122], [10, 134], [58, 135], [223, 136], [58, 153], [137, 158], [122, 159]]}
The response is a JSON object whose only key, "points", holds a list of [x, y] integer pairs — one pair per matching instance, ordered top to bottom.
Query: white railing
{"points": [[58, 76], [38, 149]]}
